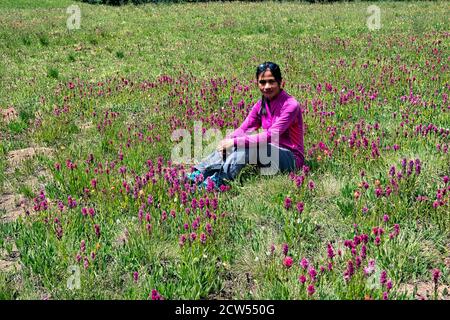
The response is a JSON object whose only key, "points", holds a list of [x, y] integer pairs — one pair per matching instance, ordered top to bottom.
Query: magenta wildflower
{"points": [[446, 179], [287, 203], [300, 207], [385, 218], [208, 228], [97, 230], [193, 236], [203, 238], [182, 240], [377, 241], [83, 246], [285, 249], [330, 251], [287, 262], [86, 263], [304, 263], [312, 273], [436, 275], [135, 276], [383, 277], [302, 279], [389, 285], [311, 290], [156, 295], [385, 296]]}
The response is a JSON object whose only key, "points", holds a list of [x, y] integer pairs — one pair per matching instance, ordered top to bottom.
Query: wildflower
{"points": [[446, 179], [311, 185], [287, 203], [300, 207], [91, 212], [385, 218], [149, 227], [208, 228], [97, 230], [193, 236], [203, 238], [182, 240], [377, 241], [83, 246], [272, 248], [285, 249], [330, 251], [363, 251], [92, 255], [78, 257], [287, 262], [86, 263], [304, 263], [330, 266], [370, 268], [312, 274], [436, 275], [135, 276], [383, 277], [302, 279], [389, 285], [311, 290], [156, 295], [385, 296]]}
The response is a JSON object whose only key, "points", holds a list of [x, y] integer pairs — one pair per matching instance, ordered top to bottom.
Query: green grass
{"points": [[119, 50]]}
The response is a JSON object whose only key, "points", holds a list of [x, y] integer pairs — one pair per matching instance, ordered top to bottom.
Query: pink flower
{"points": [[287, 203], [300, 207], [285, 249], [287, 262], [304, 263], [436, 275], [135, 276], [302, 279], [311, 290], [156, 295]]}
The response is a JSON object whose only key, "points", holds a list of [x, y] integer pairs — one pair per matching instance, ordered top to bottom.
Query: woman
{"points": [[279, 147]]}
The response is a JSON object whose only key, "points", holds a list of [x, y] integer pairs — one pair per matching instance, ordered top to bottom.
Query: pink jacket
{"points": [[283, 119]]}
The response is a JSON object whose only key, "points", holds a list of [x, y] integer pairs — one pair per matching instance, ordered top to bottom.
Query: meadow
{"points": [[93, 207]]}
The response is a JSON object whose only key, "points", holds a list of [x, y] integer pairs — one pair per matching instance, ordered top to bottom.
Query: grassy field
{"points": [[368, 219]]}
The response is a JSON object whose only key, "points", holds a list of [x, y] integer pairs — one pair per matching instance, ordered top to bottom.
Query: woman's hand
{"points": [[225, 144]]}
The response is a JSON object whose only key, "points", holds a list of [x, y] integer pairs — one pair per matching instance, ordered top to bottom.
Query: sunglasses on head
{"points": [[264, 66]]}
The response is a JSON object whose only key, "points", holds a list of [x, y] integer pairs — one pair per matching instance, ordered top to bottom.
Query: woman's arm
{"points": [[288, 114], [250, 124]]}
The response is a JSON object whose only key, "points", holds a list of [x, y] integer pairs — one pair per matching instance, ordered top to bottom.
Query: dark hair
{"points": [[276, 72]]}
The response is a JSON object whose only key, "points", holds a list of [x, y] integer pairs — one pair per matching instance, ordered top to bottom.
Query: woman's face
{"points": [[267, 85]]}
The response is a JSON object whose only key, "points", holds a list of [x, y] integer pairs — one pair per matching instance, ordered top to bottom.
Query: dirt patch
{"points": [[8, 115], [16, 157], [12, 206], [9, 259], [425, 290]]}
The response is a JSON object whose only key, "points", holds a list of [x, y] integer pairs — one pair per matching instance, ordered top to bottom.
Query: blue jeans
{"points": [[270, 158]]}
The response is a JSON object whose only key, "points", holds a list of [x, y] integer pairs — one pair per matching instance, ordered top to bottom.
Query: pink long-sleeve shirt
{"points": [[283, 120]]}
